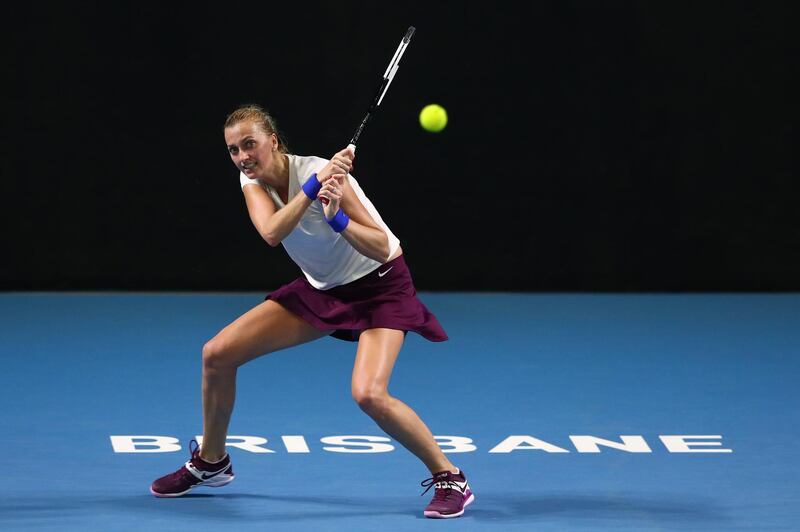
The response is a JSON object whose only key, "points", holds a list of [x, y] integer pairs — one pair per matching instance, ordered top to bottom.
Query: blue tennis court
{"points": [[566, 411]]}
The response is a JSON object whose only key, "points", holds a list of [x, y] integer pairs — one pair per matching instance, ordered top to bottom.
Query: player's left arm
{"points": [[362, 231]]}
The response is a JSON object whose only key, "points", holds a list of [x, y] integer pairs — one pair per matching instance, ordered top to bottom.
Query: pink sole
{"points": [[168, 495], [172, 495], [437, 515]]}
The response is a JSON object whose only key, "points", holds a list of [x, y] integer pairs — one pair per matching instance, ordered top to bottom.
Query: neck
{"points": [[278, 176]]}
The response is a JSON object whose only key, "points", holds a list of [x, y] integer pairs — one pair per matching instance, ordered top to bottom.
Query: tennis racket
{"points": [[388, 76]]}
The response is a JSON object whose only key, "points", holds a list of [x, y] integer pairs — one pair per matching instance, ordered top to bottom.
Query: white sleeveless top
{"points": [[324, 256]]}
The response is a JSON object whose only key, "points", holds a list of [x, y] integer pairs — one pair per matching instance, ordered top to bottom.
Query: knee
{"points": [[215, 356], [373, 401]]}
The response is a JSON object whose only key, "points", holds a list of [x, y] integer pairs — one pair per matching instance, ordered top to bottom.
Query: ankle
{"points": [[212, 458], [452, 469]]}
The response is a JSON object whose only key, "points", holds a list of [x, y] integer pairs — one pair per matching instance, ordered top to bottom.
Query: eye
{"points": [[250, 143], [233, 150]]}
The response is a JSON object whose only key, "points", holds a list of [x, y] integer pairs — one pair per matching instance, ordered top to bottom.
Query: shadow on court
{"points": [[244, 507], [628, 510]]}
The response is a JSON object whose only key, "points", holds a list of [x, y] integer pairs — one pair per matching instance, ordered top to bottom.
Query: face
{"points": [[252, 150]]}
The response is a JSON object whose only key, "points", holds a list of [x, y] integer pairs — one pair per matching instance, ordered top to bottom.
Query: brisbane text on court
{"points": [[672, 443]]}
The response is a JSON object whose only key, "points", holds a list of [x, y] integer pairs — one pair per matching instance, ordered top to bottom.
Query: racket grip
{"points": [[351, 147]]}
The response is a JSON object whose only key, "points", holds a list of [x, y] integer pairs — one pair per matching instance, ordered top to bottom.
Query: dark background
{"points": [[625, 145]]}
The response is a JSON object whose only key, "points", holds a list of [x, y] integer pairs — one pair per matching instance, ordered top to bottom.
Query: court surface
{"points": [[526, 381]]}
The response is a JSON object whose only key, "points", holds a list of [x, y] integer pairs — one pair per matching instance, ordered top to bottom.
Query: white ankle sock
{"points": [[216, 462]]}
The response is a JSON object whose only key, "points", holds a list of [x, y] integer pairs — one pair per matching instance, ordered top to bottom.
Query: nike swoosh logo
{"points": [[384, 273], [206, 477]]}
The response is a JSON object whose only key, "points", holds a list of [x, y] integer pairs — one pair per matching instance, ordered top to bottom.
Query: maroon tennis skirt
{"points": [[385, 297]]}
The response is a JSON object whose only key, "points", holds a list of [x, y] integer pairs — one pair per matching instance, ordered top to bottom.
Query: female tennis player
{"points": [[356, 286]]}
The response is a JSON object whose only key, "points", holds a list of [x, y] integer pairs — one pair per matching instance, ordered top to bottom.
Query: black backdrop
{"points": [[625, 145]]}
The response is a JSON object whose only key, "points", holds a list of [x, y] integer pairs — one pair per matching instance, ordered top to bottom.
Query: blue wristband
{"points": [[311, 187], [339, 222]]}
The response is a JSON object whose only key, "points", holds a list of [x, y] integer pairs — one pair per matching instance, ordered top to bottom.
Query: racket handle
{"points": [[351, 147]]}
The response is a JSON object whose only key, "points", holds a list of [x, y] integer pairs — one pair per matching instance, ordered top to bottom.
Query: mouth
{"points": [[248, 167]]}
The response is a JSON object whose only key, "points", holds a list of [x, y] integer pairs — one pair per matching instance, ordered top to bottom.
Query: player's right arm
{"points": [[273, 224]]}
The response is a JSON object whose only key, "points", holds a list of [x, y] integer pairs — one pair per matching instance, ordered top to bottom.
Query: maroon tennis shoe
{"points": [[195, 472], [451, 495]]}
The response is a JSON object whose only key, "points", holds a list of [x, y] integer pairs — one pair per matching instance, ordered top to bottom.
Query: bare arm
{"points": [[274, 224], [366, 236]]}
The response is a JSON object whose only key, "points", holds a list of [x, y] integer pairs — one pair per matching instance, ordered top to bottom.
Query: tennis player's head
{"points": [[253, 140]]}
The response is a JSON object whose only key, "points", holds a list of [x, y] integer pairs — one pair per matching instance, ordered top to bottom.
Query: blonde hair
{"points": [[258, 115]]}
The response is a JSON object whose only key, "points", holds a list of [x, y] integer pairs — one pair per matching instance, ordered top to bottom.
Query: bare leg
{"points": [[264, 329], [377, 353]]}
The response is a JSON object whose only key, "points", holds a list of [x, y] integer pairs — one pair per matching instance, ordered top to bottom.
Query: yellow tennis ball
{"points": [[433, 118]]}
